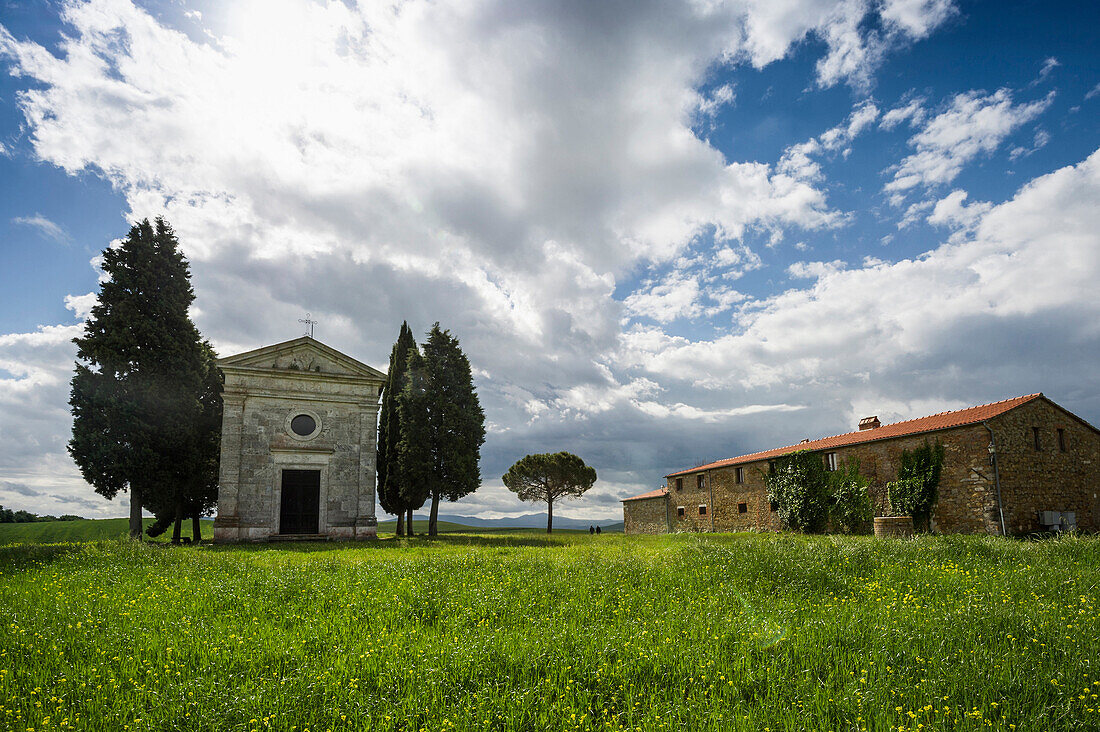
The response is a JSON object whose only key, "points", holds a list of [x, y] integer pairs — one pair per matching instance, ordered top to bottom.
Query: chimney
{"points": [[869, 423]]}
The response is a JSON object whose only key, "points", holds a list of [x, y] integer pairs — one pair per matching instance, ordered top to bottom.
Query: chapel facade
{"points": [[298, 449], [1007, 465]]}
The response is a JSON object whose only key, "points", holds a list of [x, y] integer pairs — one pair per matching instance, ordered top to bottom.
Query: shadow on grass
{"points": [[450, 539], [18, 557]]}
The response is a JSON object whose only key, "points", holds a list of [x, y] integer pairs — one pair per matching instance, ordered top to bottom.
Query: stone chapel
{"points": [[298, 448]]}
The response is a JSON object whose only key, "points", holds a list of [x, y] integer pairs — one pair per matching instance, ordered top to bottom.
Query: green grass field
{"points": [[45, 532], [48, 532], [524, 632]]}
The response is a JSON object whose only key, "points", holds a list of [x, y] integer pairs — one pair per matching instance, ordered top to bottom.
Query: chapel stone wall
{"points": [[260, 400]]}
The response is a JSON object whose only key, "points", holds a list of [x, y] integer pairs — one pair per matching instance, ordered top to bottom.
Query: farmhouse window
{"points": [[1035, 434], [1061, 439], [830, 461], [740, 475], [701, 481], [679, 484], [775, 506], [742, 508], [702, 510], [680, 511]]}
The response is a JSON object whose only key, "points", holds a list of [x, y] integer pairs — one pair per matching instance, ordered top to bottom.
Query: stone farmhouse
{"points": [[299, 433], [1012, 459]]}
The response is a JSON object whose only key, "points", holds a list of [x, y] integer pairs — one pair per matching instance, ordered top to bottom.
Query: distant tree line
{"points": [[146, 395], [431, 428], [8, 516]]}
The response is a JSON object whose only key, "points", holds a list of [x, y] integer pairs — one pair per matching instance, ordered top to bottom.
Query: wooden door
{"points": [[301, 502]]}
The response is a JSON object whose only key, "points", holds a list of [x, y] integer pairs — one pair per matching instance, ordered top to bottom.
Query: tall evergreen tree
{"points": [[143, 413], [444, 425], [390, 477], [194, 492]]}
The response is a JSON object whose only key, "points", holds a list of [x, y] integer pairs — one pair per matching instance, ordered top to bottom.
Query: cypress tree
{"points": [[141, 395], [444, 425], [390, 477], [194, 491]]}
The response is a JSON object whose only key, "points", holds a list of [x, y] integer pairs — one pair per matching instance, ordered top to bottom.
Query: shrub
{"points": [[922, 466], [799, 486], [904, 496], [849, 501]]}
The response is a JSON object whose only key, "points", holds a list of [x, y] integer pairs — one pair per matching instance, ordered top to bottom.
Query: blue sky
{"points": [[663, 233]]}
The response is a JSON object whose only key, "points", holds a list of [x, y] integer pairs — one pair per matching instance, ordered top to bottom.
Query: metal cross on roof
{"points": [[310, 322]]}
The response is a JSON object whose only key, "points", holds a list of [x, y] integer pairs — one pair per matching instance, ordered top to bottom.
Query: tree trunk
{"points": [[135, 513], [549, 515], [433, 518], [178, 523], [400, 523], [409, 524], [196, 527]]}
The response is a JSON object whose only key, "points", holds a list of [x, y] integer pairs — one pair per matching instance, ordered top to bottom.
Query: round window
{"points": [[303, 425]]}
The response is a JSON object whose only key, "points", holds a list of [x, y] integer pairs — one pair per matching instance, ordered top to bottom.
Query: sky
{"points": [[663, 233]]}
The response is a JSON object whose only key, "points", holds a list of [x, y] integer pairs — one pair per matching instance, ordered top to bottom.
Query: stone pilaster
{"points": [[227, 523], [366, 523]]}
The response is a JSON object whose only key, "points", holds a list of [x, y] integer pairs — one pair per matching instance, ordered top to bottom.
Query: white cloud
{"points": [[917, 18], [855, 53], [1050, 64], [1093, 92], [710, 105], [912, 112], [973, 123], [1042, 137], [798, 160], [952, 211], [914, 213], [45, 227], [815, 270], [681, 295], [81, 305], [961, 319]]}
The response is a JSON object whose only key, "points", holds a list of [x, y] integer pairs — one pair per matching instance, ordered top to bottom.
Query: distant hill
{"points": [[526, 521], [47, 532]]}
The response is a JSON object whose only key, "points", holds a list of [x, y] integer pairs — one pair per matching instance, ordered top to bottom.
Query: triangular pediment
{"points": [[302, 354]]}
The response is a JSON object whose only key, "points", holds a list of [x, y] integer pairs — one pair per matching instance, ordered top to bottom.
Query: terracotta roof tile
{"points": [[941, 421], [652, 494]]}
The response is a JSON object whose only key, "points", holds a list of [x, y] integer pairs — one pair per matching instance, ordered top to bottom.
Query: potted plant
{"points": [[905, 494]]}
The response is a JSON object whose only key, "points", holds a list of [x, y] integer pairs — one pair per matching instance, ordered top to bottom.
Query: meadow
{"points": [[49, 532], [527, 632]]}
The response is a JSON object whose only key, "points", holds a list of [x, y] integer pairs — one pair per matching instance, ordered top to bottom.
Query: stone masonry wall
{"points": [[1047, 479], [689, 498], [967, 502], [645, 516]]}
